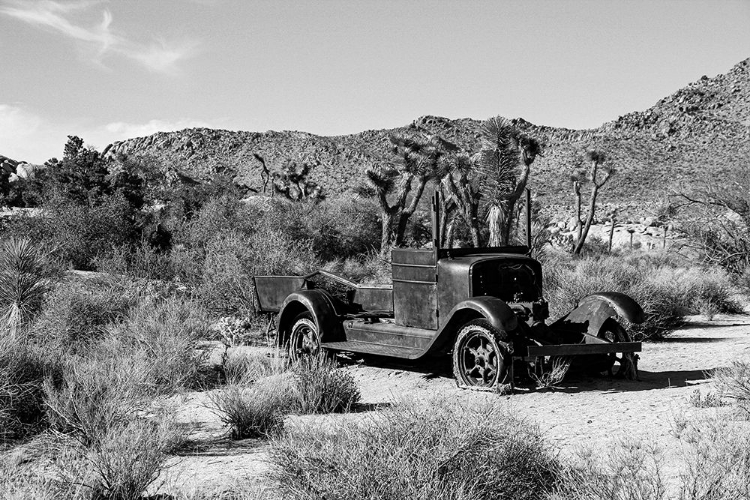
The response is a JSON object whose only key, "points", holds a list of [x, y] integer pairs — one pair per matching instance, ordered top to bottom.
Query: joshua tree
{"points": [[504, 150], [420, 159], [596, 159], [292, 182], [462, 197]]}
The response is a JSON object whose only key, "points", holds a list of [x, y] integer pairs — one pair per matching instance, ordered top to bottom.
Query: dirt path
{"points": [[582, 412]]}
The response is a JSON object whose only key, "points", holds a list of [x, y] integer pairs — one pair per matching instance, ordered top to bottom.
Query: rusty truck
{"points": [[483, 307]]}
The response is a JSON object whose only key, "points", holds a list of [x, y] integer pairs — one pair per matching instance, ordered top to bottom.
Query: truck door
{"points": [[415, 288]]}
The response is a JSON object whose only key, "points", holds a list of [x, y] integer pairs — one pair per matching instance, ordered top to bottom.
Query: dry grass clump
{"points": [[665, 289], [734, 382], [322, 388], [262, 391], [255, 410], [440, 451], [626, 471]]}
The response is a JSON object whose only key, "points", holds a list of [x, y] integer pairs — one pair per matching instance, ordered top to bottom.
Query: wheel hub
{"points": [[480, 361]]}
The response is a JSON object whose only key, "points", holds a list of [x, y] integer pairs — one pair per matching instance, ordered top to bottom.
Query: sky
{"points": [[111, 70]]}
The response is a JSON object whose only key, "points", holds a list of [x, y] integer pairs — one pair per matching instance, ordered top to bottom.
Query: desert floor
{"points": [[581, 412]]}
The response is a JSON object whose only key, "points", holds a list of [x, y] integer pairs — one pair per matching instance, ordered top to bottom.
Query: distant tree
{"points": [[419, 159], [504, 164], [591, 175], [81, 176], [292, 181], [715, 213]]}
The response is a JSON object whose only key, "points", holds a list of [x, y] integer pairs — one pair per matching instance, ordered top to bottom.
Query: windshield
{"points": [[507, 280]]}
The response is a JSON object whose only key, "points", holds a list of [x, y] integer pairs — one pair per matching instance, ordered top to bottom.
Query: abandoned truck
{"points": [[483, 306]]}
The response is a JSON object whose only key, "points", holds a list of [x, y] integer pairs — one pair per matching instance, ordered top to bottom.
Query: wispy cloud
{"points": [[64, 17]]}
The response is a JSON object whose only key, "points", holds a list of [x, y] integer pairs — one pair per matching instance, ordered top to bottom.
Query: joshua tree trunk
{"points": [[596, 158], [407, 212], [589, 220], [579, 222], [499, 223], [387, 235]]}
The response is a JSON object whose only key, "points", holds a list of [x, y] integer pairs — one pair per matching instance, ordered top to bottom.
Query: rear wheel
{"points": [[304, 339], [480, 357], [623, 365]]}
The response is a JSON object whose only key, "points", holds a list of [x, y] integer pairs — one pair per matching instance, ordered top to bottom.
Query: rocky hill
{"points": [[702, 129]]}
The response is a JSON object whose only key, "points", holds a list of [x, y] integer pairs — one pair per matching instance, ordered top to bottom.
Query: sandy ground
{"points": [[581, 412]]}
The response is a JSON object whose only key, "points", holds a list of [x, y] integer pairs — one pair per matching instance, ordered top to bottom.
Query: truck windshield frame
{"points": [[507, 279]]}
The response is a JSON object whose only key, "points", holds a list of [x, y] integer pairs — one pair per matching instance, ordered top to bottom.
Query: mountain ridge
{"points": [[702, 127]]}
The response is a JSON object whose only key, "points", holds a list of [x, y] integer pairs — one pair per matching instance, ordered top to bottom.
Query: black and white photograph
{"points": [[375, 249]]}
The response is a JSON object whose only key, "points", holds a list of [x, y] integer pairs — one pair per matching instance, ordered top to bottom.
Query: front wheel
{"points": [[304, 339], [480, 357]]}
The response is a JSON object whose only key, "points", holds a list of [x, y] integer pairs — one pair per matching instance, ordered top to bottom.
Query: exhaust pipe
{"points": [[528, 219], [436, 224]]}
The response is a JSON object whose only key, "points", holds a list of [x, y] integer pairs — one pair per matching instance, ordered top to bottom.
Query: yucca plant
{"points": [[504, 164], [25, 276]]}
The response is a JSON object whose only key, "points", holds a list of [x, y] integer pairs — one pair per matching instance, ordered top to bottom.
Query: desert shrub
{"points": [[218, 216], [340, 228], [79, 233], [232, 260], [138, 261], [369, 268], [26, 274], [666, 292], [77, 312], [165, 333], [23, 369], [734, 382], [322, 387], [96, 394], [255, 410], [440, 450], [716, 454], [123, 462], [628, 471]]}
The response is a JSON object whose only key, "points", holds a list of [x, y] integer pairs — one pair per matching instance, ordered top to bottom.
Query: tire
{"points": [[304, 338], [481, 358], [621, 365]]}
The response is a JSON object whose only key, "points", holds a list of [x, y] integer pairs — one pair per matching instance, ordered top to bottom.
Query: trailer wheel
{"points": [[304, 339], [480, 357], [622, 365]]}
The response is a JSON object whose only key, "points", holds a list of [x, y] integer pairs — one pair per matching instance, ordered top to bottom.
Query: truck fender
{"points": [[320, 307], [494, 310], [593, 310]]}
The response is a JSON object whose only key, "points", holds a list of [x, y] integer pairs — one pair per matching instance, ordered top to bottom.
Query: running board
{"points": [[375, 349]]}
